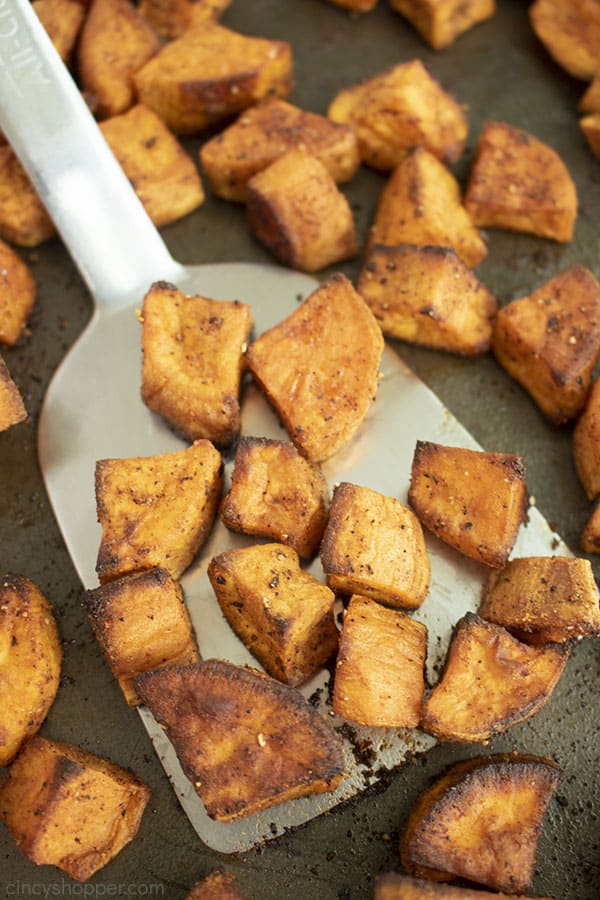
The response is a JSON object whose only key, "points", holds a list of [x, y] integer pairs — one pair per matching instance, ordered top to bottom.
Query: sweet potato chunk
{"points": [[361, 6], [171, 18], [62, 19], [440, 22], [570, 32], [115, 42], [210, 74], [590, 102], [398, 109], [590, 125], [267, 131], [163, 175], [519, 183], [421, 204], [23, 218], [17, 295], [426, 295], [550, 342], [193, 350], [319, 367], [12, 409], [586, 444], [278, 494], [472, 500], [156, 510], [590, 538], [373, 545], [542, 599], [281, 613], [141, 623], [30, 660], [379, 672], [490, 682], [245, 740], [67, 808], [481, 821], [219, 885], [403, 887]]}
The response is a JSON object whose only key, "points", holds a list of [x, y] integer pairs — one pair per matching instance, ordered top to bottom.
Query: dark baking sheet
{"points": [[500, 71]]}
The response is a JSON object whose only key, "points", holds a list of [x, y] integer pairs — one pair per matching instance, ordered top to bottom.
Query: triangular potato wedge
{"points": [[440, 22], [570, 32], [245, 740], [402, 887]]}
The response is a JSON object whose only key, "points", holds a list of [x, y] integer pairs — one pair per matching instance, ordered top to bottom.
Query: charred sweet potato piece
{"points": [[170, 18], [62, 19], [440, 22], [570, 32], [115, 42], [210, 74], [590, 102], [400, 108], [590, 125], [267, 131], [164, 177], [518, 182], [421, 204], [295, 209], [23, 218], [17, 295], [427, 295], [550, 342], [193, 351], [319, 367], [12, 408], [586, 444], [278, 494], [472, 500], [156, 510], [590, 538], [373, 545], [542, 599], [282, 614], [141, 623], [30, 660], [379, 676], [490, 682], [244, 740], [67, 808], [481, 821], [219, 885], [403, 887]]}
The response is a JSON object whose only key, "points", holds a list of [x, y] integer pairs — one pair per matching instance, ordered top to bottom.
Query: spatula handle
{"points": [[105, 227]]}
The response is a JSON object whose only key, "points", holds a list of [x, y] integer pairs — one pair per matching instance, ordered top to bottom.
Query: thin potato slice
{"points": [[171, 18], [62, 19], [440, 22], [570, 32], [398, 109], [590, 125], [518, 182], [421, 204], [23, 218], [17, 295], [427, 295], [319, 367], [12, 408], [586, 444], [472, 500], [156, 510], [543, 599], [283, 615], [30, 660], [490, 682], [244, 740], [67, 808], [481, 821], [219, 885], [403, 887]]}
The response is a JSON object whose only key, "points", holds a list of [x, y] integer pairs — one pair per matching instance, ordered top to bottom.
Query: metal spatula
{"points": [[93, 408]]}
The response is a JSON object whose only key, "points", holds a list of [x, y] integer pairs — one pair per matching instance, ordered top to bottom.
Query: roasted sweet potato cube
{"points": [[361, 6], [170, 18], [62, 19], [440, 22], [570, 32], [115, 42], [210, 74], [590, 102], [400, 108], [590, 125], [265, 132], [164, 177], [519, 183], [421, 204], [295, 209], [23, 218], [17, 295], [427, 295], [550, 342], [193, 353], [319, 367], [12, 409], [586, 444], [278, 494], [472, 500], [156, 510], [590, 538], [373, 545], [543, 599], [283, 615], [141, 623], [30, 660], [379, 676], [490, 682], [245, 740], [67, 808], [481, 821], [219, 885], [403, 887]]}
